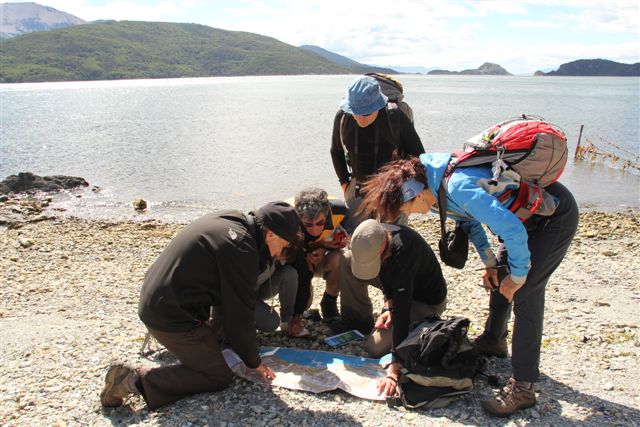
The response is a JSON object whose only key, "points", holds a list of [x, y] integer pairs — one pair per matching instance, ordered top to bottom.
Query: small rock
{"points": [[140, 205], [25, 243]]}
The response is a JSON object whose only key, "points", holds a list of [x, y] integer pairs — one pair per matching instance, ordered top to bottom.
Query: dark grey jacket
{"points": [[213, 261]]}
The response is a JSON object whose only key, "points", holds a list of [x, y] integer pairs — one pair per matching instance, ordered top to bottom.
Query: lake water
{"points": [[191, 145]]}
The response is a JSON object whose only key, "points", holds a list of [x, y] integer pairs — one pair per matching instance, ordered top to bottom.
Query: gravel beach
{"points": [[68, 307]]}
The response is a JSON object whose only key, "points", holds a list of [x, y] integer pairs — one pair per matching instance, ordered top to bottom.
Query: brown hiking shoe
{"points": [[488, 346], [118, 384], [513, 396]]}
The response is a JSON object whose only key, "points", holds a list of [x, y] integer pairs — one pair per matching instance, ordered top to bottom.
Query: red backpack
{"points": [[535, 149]]}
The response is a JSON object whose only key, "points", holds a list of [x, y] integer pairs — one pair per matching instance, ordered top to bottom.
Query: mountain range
{"points": [[40, 43]]}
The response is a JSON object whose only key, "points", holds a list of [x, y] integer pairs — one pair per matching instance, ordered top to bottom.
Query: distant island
{"points": [[594, 67], [486, 69]]}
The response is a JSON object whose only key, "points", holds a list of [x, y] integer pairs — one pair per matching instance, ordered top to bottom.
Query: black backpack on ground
{"points": [[439, 363]]}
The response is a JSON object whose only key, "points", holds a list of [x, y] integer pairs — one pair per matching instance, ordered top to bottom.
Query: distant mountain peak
{"points": [[21, 18]]}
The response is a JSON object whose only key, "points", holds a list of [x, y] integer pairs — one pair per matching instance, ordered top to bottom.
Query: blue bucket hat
{"points": [[363, 97]]}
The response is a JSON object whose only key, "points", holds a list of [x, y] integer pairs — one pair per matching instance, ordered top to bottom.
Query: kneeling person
{"points": [[214, 261], [411, 280]]}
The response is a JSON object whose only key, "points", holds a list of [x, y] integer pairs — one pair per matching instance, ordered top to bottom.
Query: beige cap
{"points": [[366, 245]]}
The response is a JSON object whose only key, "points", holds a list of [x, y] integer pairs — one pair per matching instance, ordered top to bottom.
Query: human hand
{"points": [[344, 188], [316, 256], [490, 279], [508, 288], [383, 321], [265, 372], [387, 385]]}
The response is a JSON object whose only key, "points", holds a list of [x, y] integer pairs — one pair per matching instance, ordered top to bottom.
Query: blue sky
{"points": [[522, 36]]}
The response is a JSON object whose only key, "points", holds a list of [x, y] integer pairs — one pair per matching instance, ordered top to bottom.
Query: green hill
{"points": [[132, 50], [349, 63]]}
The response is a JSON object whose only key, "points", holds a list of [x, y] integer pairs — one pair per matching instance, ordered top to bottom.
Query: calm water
{"points": [[191, 145]]}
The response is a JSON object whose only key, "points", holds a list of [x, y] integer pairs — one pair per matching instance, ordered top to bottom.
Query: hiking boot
{"points": [[329, 307], [488, 346], [118, 384], [513, 396]]}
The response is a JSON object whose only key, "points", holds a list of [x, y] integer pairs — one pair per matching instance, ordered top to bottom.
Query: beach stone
{"points": [[29, 182]]}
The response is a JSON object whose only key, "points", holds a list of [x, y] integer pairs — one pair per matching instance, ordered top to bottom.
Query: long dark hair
{"points": [[383, 191]]}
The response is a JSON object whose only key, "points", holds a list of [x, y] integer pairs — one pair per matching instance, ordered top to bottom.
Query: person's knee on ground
{"points": [[266, 317]]}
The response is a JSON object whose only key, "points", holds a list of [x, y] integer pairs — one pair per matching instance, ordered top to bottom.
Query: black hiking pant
{"points": [[549, 239]]}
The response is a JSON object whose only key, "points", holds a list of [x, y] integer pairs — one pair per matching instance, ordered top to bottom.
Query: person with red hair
{"points": [[529, 253]]}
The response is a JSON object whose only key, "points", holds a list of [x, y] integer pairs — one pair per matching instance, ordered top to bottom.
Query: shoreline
{"points": [[68, 307]]}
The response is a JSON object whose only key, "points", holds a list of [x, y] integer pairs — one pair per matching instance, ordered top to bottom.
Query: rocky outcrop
{"points": [[597, 67], [486, 69], [26, 182]]}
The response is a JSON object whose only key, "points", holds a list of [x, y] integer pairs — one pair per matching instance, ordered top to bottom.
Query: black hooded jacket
{"points": [[213, 261]]}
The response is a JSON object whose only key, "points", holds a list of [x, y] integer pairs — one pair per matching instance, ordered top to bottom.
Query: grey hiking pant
{"points": [[549, 239], [284, 283]]}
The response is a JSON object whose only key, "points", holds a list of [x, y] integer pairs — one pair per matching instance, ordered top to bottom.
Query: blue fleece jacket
{"points": [[469, 203]]}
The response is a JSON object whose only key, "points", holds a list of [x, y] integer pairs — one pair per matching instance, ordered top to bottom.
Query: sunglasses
{"points": [[314, 224]]}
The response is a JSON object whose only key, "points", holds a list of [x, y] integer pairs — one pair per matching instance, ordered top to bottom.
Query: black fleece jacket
{"points": [[392, 129], [213, 261], [411, 272]]}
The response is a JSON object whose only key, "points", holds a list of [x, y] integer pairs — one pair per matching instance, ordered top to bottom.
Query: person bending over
{"points": [[528, 255], [213, 262], [401, 262]]}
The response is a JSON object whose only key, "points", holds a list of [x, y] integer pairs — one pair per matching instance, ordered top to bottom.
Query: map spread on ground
{"points": [[316, 371]]}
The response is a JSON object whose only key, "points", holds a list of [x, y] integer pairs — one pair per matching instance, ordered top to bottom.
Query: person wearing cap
{"points": [[366, 135], [399, 260], [212, 262], [516, 278]]}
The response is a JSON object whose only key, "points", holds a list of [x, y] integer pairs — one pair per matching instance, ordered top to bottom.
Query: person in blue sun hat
{"points": [[368, 132]]}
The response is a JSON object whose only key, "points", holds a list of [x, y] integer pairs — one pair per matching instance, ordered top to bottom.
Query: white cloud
{"points": [[536, 24]]}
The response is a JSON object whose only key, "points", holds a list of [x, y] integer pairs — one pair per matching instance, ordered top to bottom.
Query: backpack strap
{"points": [[395, 137], [347, 159], [442, 210]]}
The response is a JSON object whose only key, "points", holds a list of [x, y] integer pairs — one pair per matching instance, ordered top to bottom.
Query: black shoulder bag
{"points": [[453, 245]]}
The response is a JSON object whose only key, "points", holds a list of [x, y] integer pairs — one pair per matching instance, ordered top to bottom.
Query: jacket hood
{"points": [[435, 165]]}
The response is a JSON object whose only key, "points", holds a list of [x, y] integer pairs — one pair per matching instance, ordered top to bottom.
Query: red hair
{"points": [[383, 191]]}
